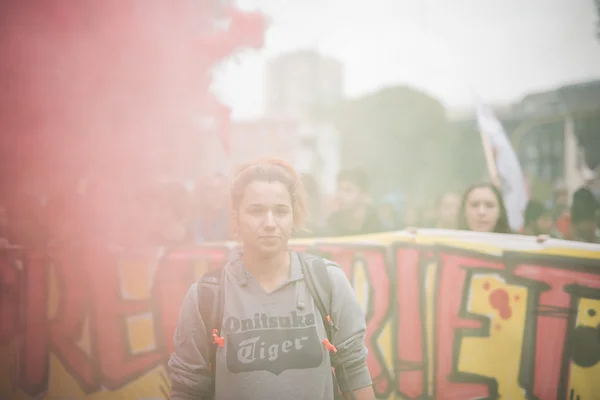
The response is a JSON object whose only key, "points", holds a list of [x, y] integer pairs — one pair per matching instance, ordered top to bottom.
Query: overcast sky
{"points": [[500, 49]]}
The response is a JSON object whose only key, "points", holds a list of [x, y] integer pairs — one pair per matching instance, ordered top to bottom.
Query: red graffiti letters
{"points": [[372, 262], [176, 273], [553, 277], [10, 281], [453, 285], [435, 315], [33, 356], [411, 362]]}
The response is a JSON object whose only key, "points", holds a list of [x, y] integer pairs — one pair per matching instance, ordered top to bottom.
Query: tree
{"points": [[399, 135]]}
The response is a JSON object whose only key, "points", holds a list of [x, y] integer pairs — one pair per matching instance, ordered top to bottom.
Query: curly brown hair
{"points": [[272, 170]]}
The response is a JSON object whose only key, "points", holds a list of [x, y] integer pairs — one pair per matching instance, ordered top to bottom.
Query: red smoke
{"points": [[111, 87]]}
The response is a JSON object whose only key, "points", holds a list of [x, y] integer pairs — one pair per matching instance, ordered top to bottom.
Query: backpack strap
{"points": [[316, 277], [210, 304]]}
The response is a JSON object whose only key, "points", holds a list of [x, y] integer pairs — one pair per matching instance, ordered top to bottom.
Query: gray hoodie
{"points": [[273, 341]]}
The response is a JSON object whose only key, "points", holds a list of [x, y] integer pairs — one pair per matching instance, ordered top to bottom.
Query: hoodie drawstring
{"points": [[218, 340]]}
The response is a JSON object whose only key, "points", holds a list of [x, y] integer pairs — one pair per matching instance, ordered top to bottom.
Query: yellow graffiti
{"points": [[135, 279], [360, 283], [430, 290], [141, 336], [385, 342], [498, 355], [585, 381], [153, 385]]}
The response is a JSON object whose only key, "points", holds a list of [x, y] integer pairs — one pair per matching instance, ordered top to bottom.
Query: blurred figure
{"points": [[594, 184], [560, 199], [179, 204], [560, 205], [448, 209], [482, 210], [388, 212], [101, 213], [355, 215], [428, 216], [143, 217], [411, 217], [584, 217], [55, 219], [212, 219], [539, 220], [24, 223], [3, 224], [313, 224]]}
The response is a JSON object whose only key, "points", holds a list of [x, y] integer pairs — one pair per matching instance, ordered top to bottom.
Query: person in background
{"points": [[594, 184], [560, 199], [180, 204], [560, 208], [448, 209], [482, 210], [389, 211], [144, 214], [355, 214], [155, 215], [428, 215], [411, 217], [584, 217], [55, 219], [539, 220], [212, 222], [313, 226], [3, 227], [25, 228]]}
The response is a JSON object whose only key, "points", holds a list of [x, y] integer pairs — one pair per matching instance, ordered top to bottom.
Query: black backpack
{"points": [[211, 300]]}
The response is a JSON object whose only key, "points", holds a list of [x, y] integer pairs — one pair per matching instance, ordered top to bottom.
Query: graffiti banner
{"points": [[450, 315]]}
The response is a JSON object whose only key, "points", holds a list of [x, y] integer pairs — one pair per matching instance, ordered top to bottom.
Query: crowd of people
{"points": [[479, 208], [171, 213]]}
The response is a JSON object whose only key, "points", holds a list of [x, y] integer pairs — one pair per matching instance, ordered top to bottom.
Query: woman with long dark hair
{"points": [[482, 210]]}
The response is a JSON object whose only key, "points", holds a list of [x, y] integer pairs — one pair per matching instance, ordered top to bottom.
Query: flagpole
{"points": [[486, 145], [489, 158], [572, 167]]}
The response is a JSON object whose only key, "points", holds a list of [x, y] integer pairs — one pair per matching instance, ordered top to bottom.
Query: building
{"points": [[301, 82], [300, 86], [539, 126], [263, 137], [542, 138], [319, 154]]}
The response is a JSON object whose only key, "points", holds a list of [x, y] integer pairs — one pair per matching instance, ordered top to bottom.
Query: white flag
{"points": [[574, 175], [514, 188]]}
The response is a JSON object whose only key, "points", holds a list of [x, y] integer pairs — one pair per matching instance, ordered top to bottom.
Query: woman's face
{"points": [[482, 210], [265, 217]]}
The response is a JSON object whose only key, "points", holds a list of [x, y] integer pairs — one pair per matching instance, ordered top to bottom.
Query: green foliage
{"points": [[402, 137]]}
